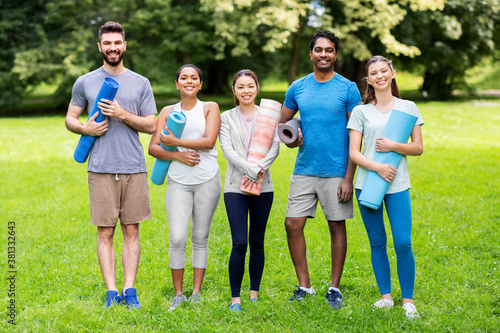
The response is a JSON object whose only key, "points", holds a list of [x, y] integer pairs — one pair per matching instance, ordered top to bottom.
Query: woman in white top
{"points": [[368, 122], [235, 135], [194, 186]]}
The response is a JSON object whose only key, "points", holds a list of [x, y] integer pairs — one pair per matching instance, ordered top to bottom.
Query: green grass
{"points": [[455, 199]]}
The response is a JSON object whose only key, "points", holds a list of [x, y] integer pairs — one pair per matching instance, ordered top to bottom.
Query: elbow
{"points": [[151, 128], [210, 144], [419, 150]]}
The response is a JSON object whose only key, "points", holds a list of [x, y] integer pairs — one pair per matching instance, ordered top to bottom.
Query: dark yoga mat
{"points": [[108, 91], [176, 122], [398, 129], [289, 131]]}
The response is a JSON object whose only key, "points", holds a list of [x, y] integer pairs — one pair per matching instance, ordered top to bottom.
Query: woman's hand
{"points": [[168, 140], [384, 145], [190, 158], [386, 171], [261, 173], [249, 184]]}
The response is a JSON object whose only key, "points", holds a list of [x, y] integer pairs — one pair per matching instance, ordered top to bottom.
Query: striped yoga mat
{"points": [[262, 137]]}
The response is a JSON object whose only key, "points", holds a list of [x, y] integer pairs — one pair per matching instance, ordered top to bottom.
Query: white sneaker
{"points": [[384, 303], [411, 311]]}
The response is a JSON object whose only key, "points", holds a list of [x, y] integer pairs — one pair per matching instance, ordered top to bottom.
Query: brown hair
{"points": [[110, 27], [244, 72], [370, 92]]}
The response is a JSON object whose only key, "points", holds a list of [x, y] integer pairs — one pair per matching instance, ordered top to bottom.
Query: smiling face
{"points": [[112, 46], [323, 55], [380, 76], [189, 82], [245, 90]]}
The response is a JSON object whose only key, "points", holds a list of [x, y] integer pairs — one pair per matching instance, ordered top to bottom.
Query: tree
{"points": [[451, 41], [44, 46]]}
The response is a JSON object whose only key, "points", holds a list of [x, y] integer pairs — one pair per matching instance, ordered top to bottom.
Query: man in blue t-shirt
{"points": [[323, 171]]}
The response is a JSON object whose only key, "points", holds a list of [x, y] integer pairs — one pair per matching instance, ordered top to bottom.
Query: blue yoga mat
{"points": [[108, 91], [176, 122], [398, 129]]}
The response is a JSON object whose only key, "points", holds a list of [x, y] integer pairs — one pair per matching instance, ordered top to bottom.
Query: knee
{"points": [[293, 225], [130, 231], [105, 234], [199, 240], [177, 242], [256, 244], [402, 246], [240, 247]]}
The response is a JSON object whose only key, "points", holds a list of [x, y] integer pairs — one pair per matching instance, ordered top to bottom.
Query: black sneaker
{"points": [[298, 295], [334, 299]]}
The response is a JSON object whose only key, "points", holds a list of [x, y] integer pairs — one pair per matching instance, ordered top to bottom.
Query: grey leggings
{"points": [[184, 201]]}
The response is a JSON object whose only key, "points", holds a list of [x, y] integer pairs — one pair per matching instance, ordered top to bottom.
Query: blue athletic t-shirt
{"points": [[323, 108]]}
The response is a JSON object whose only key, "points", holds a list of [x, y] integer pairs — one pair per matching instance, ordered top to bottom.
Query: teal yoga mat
{"points": [[108, 90], [176, 122], [398, 129]]}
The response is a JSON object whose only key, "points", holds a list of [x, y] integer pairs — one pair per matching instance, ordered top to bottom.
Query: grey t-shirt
{"points": [[119, 149]]}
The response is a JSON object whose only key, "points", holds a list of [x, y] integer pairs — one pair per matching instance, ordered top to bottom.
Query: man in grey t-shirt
{"points": [[117, 179]]}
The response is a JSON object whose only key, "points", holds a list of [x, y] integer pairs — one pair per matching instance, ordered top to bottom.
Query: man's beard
{"points": [[112, 63]]}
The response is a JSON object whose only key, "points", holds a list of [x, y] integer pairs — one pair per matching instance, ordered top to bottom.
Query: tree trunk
{"points": [[293, 65], [216, 80], [436, 85]]}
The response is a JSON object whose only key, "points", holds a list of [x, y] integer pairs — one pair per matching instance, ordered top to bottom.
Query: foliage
{"points": [[451, 41], [53, 42], [455, 240]]}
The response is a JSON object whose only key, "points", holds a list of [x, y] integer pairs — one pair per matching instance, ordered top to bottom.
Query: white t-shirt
{"points": [[371, 123]]}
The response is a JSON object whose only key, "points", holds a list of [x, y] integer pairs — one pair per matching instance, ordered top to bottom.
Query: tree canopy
{"points": [[54, 41]]}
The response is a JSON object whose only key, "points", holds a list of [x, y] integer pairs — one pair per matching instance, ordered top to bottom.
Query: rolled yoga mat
{"points": [[108, 90], [176, 122], [398, 129], [289, 131], [262, 137]]}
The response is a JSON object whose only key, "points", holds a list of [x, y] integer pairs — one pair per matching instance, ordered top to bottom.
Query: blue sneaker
{"points": [[298, 295], [130, 297], [112, 298], [334, 299], [236, 307]]}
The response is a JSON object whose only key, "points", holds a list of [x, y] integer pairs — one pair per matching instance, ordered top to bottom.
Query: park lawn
{"points": [[59, 287]]}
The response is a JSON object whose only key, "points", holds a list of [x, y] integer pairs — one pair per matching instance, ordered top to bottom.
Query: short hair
{"points": [[111, 27], [325, 34], [188, 65], [244, 72], [370, 91]]}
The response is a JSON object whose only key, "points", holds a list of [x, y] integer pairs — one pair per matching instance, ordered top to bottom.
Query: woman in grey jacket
{"points": [[235, 135]]}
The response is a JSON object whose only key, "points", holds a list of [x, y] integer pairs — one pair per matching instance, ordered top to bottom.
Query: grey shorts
{"points": [[305, 192], [123, 196]]}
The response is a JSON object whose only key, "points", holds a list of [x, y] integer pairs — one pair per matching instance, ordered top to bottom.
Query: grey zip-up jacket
{"points": [[233, 147]]}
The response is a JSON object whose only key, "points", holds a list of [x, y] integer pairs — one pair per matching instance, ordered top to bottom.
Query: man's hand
{"points": [[111, 109], [93, 128], [299, 142], [344, 193]]}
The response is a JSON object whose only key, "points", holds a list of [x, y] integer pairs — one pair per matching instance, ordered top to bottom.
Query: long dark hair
{"points": [[244, 72], [178, 74], [370, 92]]}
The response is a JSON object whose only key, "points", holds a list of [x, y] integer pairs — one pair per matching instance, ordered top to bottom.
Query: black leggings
{"points": [[237, 207]]}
